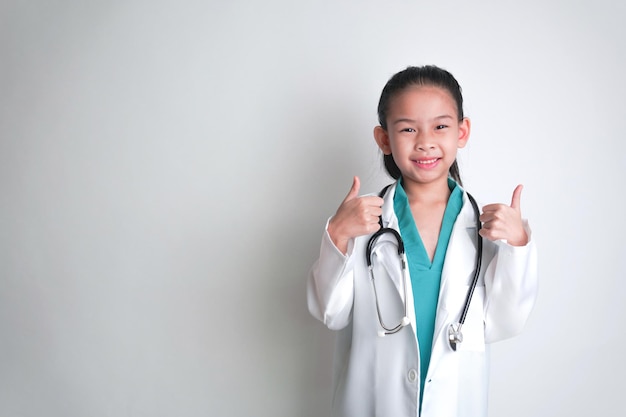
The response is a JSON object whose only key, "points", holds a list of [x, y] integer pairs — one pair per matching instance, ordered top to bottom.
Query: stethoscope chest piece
{"points": [[455, 335]]}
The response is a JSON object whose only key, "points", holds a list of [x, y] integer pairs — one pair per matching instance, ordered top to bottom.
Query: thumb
{"points": [[354, 190], [517, 195]]}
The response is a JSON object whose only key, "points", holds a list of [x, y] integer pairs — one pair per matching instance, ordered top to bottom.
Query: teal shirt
{"points": [[425, 275]]}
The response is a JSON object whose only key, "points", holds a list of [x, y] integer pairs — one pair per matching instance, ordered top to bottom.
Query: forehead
{"points": [[423, 100]]}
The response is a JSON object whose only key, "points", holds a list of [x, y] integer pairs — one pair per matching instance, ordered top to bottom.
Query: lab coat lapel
{"points": [[390, 220], [457, 271]]}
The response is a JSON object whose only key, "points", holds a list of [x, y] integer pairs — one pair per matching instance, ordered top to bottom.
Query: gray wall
{"points": [[166, 169]]}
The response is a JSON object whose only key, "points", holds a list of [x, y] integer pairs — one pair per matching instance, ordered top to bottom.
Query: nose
{"points": [[424, 142], [425, 147]]}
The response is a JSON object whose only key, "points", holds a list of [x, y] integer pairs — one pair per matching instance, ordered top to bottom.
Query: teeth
{"points": [[430, 161]]}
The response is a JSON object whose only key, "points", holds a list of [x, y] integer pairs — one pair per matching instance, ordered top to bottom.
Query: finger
{"points": [[354, 190], [517, 196], [373, 201], [490, 208], [376, 211], [486, 217], [492, 231], [489, 234]]}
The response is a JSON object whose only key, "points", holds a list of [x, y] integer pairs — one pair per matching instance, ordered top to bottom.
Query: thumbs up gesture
{"points": [[356, 216], [505, 222]]}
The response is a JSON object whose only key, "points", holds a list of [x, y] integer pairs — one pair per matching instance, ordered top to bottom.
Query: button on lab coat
{"points": [[379, 376]]}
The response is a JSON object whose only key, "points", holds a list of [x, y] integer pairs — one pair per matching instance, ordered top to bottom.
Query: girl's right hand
{"points": [[356, 216]]}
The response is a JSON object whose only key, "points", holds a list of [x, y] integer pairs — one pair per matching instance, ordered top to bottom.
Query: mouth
{"points": [[426, 163]]}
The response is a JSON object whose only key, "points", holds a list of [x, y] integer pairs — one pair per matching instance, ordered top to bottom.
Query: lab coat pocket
{"points": [[474, 326]]}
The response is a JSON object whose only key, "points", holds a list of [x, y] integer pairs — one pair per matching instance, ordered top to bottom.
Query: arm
{"points": [[511, 276], [330, 286], [511, 289]]}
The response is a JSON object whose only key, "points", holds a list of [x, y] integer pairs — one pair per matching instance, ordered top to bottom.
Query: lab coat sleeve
{"points": [[330, 285], [511, 286]]}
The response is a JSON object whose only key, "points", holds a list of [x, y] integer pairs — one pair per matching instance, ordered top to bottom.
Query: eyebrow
{"points": [[407, 120]]}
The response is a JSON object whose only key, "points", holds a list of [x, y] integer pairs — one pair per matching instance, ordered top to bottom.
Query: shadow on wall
{"points": [[320, 171]]}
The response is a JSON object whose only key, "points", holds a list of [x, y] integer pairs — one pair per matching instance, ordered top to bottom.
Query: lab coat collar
{"points": [[389, 215], [466, 216]]}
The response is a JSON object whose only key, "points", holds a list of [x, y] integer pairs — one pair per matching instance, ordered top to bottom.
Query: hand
{"points": [[356, 216], [505, 222]]}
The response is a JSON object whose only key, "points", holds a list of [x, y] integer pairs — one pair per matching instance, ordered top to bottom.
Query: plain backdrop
{"points": [[166, 169]]}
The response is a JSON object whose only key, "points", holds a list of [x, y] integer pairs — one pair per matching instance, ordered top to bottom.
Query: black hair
{"points": [[428, 75]]}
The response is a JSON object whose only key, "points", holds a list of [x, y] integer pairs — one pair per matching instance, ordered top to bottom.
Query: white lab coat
{"points": [[379, 376]]}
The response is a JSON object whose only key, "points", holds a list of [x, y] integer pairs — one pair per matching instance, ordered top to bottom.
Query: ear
{"points": [[464, 132], [382, 139]]}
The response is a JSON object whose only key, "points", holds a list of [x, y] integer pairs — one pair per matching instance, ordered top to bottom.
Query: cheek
{"points": [[399, 143], [397, 149]]}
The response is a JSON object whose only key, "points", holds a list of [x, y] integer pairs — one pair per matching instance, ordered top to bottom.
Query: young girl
{"points": [[398, 351]]}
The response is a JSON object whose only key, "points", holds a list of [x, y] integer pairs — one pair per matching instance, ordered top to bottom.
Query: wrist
{"points": [[336, 238], [522, 241]]}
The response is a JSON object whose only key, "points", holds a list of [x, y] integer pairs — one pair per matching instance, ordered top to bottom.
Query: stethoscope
{"points": [[455, 333]]}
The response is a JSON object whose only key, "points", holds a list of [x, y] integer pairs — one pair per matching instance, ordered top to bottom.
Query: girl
{"points": [[419, 368]]}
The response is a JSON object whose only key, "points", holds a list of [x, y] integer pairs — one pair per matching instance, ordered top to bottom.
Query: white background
{"points": [[166, 168]]}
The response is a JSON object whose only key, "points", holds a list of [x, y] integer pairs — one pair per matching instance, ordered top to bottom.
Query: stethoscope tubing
{"points": [[401, 255], [478, 262], [455, 334]]}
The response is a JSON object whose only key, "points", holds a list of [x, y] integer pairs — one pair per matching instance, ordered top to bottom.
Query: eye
{"points": [[439, 127], [408, 130]]}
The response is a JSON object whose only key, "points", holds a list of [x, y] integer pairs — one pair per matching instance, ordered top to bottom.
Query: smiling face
{"points": [[423, 134]]}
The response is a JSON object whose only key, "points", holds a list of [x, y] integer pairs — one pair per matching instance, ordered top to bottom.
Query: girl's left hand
{"points": [[505, 222]]}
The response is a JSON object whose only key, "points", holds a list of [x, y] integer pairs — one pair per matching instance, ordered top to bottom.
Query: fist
{"points": [[356, 216], [501, 221]]}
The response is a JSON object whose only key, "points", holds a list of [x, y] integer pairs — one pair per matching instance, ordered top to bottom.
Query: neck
{"points": [[434, 192]]}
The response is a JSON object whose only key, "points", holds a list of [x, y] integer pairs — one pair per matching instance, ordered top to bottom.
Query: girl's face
{"points": [[423, 134]]}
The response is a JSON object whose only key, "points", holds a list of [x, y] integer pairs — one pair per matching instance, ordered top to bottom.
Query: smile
{"points": [[427, 161]]}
